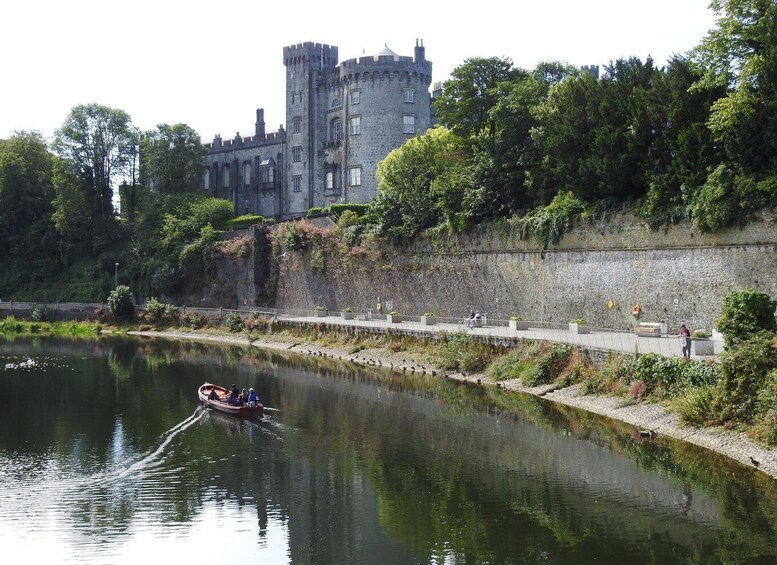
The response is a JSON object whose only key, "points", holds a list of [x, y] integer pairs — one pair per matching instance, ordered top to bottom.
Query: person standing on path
{"points": [[685, 341]]}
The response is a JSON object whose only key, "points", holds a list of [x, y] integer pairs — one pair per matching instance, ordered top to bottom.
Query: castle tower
{"points": [[305, 64]]}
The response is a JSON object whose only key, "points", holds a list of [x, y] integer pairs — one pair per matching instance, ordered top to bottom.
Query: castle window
{"points": [[409, 93], [356, 96], [335, 103], [408, 123], [296, 125], [356, 125], [336, 131], [296, 153], [267, 172], [246, 173], [225, 176], [355, 176], [206, 179], [330, 180], [296, 183]]}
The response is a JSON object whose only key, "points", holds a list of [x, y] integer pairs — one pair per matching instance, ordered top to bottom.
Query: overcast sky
{"points": [[211, 64]]}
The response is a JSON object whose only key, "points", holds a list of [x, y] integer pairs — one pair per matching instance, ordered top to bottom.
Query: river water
{"points": [[107, 457]]}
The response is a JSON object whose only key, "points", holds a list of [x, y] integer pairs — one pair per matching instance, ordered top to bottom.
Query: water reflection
{"points": [[117, 463]]}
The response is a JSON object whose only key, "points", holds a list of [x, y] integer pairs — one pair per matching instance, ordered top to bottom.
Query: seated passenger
{"points": [[213, 394], [253, 399]]}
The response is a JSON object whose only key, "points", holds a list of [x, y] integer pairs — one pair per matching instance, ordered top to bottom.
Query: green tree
{"points": [[740, 54], [468, 96], [566, 122], [100, 143], [170, 158], [418, 185], [27, 236], [745, 313]]}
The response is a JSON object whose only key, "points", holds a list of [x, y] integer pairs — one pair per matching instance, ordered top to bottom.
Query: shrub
{"points": [[340, 209], [315, 211], [244, 221], [120, 303], [161, 312], [744, 313], [44, 314], [516, 318], [581, 321], [233, 322], [700, 334], [549, 365], [659, 374], [744, 374], [637, 390], [696, 405]]}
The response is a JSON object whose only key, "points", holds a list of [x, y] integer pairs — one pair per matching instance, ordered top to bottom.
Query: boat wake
{"points": [[154, 458]]}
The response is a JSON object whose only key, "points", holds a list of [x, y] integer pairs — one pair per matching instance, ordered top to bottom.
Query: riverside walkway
{"points": [[602, 339]]}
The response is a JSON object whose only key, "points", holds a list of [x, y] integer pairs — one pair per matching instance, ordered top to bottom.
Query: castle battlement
{"points": [[316, 54], [240, 142]]}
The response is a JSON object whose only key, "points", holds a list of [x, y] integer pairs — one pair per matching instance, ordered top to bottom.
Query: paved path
{"points": [[601, 339]]}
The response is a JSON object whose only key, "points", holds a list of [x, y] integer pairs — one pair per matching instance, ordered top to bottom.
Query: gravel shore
{"points": [[644, 416]]}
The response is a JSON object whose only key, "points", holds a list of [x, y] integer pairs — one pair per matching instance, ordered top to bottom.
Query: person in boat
{"points": [[213, 394], [234, 396], [243, 396], [253, 399]]}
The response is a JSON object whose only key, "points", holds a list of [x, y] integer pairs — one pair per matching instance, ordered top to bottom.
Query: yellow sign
{"points": [[610, 304]]}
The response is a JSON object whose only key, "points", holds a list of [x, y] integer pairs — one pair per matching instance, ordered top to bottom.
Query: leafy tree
{"points": [[740, 54], [468, 96], [566, 122], [99, 142], [683, 151], [171, 158], [418, 185], [27, 236], [120, 303], [745, 313]]}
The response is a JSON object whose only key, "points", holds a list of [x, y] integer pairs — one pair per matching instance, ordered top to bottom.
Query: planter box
{"points": [[321, 313], [346, 315], [393, 318], [428, 320], [519, 325], [579, 328], [702, 347]]}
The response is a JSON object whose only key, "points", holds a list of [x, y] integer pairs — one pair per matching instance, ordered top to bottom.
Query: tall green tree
{"points": [[741, 55], [470, 94], [99, 141], [170, 158], [27, 236]]}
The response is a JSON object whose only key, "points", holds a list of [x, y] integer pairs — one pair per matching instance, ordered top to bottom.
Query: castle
{"points": [[342, 120]]}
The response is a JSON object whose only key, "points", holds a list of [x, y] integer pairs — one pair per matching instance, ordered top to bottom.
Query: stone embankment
{"points": [[644, 416]]}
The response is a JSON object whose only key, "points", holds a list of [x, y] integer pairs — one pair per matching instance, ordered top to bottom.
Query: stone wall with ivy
{"points": [[599, 271]]}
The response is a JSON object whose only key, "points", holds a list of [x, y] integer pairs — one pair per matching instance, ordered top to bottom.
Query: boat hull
{"points": [[222, 405]]}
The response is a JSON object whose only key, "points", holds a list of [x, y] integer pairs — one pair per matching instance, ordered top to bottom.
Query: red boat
{"points": [[221, 403]]}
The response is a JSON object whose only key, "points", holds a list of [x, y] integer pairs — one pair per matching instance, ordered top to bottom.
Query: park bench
{"points": [[648, 329]]}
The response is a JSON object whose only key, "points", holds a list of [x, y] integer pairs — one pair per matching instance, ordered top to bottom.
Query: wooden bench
{"points": [[648, 329]]}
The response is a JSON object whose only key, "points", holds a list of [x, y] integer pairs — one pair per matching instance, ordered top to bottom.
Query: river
{"points": [[107, 457]]}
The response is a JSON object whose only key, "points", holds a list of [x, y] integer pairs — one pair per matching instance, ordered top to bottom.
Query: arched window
{"points": [[206, 179]]}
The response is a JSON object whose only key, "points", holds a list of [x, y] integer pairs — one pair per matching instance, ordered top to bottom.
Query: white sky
{"points": [[212, 64]]}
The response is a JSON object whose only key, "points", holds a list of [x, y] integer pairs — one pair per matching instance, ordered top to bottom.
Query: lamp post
{"points": [[116, 275]]}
